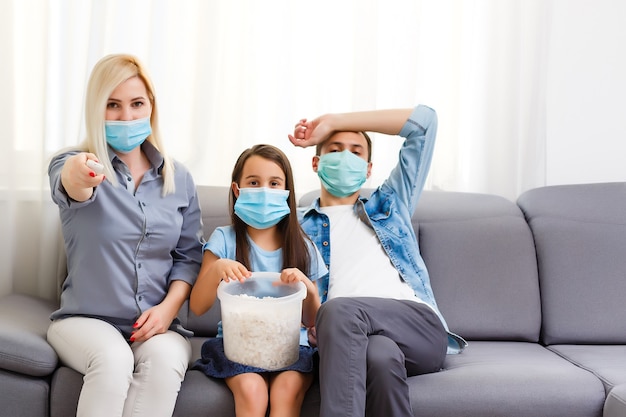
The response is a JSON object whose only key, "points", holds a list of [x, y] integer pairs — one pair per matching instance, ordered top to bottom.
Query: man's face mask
{"points": [[342, 173]]}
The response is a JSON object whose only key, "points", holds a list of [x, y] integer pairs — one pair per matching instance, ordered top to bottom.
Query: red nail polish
{"points": [[92, 174], [135, 325], [132, 339]]}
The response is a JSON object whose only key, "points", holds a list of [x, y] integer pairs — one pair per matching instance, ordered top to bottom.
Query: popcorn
{"points": [[261, 321], [264, 338]]}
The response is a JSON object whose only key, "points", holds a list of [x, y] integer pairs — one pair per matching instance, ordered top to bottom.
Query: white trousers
{"points": [[142, 379]]}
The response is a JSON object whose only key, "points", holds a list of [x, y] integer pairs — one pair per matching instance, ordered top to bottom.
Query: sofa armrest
{"points": [[24, 322], [615, 405]]}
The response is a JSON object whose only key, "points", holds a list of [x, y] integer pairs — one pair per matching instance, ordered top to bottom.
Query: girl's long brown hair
{"points": [[294, 247]]}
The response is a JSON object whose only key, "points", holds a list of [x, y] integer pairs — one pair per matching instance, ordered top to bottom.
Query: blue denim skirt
{"points": [[214, 363]]}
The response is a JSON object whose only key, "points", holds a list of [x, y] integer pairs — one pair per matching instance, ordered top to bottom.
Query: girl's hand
{"points": [[227, 270], [292, 276], [312, 300], [312, 334]]}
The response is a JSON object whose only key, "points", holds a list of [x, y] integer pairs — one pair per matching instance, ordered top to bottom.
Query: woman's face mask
{"points": [[126, 135], [342, 173], [262, 207]]}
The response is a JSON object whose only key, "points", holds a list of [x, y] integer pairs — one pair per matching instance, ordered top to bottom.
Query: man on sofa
{"points": [[379, 321]]}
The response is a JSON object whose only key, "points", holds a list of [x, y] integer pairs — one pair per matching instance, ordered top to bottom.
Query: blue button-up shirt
{"points": [[388, 211], [125, 247]]}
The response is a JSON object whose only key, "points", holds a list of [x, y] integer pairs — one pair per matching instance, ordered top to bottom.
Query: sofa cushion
{"points": [[215, 209], [215, 212], [580, 237], [481, 259], [24, 322], [204, 325], [606, 362], [513, 379], [64, 392], [23, 395], [199, 396]]}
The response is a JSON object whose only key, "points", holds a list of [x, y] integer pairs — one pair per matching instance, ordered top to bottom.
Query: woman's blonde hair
{"points": [[107, 74]]}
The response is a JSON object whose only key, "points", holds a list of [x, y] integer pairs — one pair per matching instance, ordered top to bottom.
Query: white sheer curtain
{"points": [[229, 74]]}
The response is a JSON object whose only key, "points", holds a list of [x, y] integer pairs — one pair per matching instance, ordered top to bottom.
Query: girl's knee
{"points": [[290, 387], [249, 388]]}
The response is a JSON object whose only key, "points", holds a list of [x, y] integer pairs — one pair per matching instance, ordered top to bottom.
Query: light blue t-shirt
{"points": [[222, 244]]}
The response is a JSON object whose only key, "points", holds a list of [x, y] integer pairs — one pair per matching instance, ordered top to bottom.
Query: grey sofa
{"points": [[537, 287]]}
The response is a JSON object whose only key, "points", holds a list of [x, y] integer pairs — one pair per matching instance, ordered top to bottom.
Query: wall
{"points": [[586, 90]]}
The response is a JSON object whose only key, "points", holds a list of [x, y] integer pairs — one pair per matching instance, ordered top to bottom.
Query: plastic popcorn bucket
{"points": [[261, 321]]}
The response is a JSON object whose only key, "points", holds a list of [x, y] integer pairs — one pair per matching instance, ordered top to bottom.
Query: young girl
{"points": [[265, 235]]}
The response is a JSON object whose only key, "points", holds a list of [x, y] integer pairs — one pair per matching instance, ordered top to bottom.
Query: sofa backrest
{"points": [[215, 213], [580, 236], [480, 255], [481, 259]]}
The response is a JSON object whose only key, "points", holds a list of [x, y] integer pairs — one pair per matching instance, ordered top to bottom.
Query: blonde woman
{"points": [[133, 236]]}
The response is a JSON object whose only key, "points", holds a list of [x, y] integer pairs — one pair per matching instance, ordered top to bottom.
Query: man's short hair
{"points": [[318, 148]]}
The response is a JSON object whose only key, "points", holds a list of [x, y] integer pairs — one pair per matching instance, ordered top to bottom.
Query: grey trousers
{"points": [[368, 346]]}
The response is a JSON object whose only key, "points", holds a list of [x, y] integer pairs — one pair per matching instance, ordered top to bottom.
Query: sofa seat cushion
{"points": [[24, 322], [196, 348], [607, 362], [507, 379], [23, 395], [199, 396]]}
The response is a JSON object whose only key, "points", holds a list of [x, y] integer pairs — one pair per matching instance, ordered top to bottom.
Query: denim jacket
{"points": [[388, 211]]}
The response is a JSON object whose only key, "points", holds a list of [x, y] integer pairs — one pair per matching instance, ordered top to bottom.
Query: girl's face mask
{"points": [[342, 173], [262, 207]]}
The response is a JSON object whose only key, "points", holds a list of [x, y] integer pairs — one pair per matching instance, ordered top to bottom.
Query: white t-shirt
{"points": [[359, 266]]}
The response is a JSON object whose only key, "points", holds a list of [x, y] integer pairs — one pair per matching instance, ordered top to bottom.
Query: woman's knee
{"points": [[89, 345], [167, 352], [115, 356]]}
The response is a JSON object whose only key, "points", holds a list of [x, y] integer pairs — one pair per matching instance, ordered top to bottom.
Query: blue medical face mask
{"points": [[126, 135], [342, 173], [262, 207]]}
